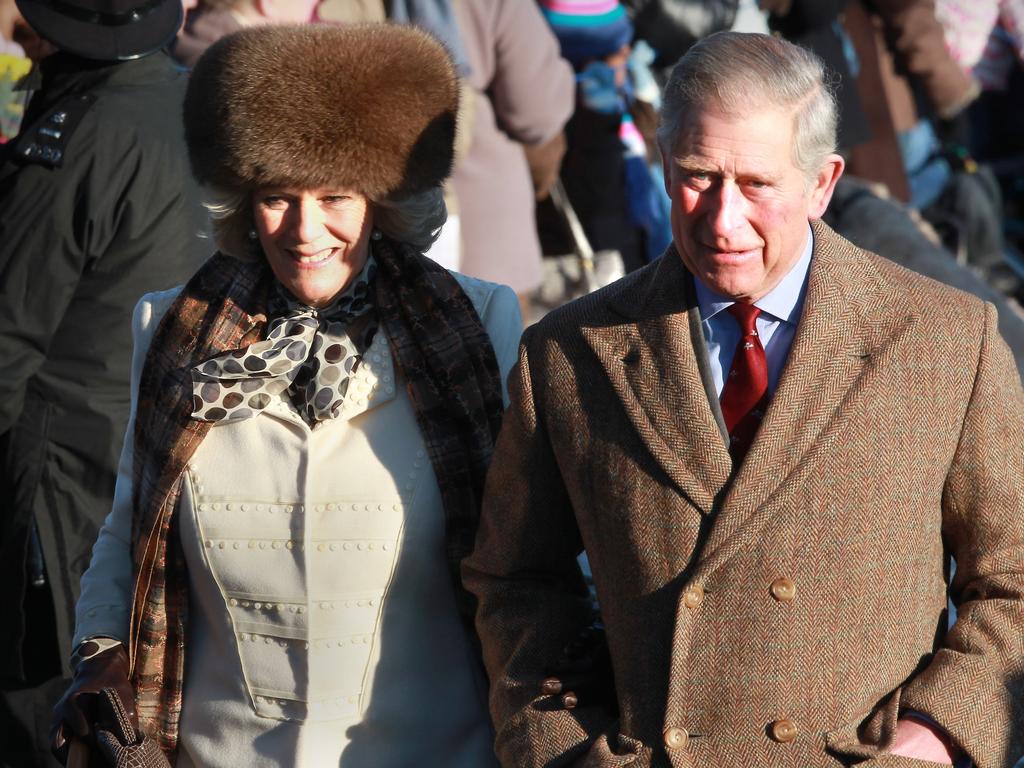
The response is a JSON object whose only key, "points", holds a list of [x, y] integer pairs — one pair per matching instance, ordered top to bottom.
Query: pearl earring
{"points": [[252, 234], [376, 234]]}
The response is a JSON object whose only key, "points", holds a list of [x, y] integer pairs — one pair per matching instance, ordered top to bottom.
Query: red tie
{"points": [[745, 394]]}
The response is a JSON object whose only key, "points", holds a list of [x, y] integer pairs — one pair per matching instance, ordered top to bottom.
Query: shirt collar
{"points": [[784, 302]]}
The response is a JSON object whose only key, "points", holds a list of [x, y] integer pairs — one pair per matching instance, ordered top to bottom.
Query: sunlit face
{"points": [[740, 206], [315, 240]]}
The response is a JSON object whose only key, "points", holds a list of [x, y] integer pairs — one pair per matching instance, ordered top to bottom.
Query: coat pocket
{"points": [[870, 737], [628, 752]]}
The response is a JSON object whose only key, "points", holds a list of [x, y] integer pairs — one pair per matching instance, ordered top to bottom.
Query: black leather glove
{"points": [[80, 711], [124, 746]]}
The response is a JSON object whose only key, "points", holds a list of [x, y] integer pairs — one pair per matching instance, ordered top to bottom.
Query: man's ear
{"points": [[666, 170], [824, 184]]}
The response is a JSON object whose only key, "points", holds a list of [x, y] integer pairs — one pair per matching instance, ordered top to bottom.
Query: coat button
{"points": [[784, 590], [693, 597], [551, 686], [783, 731], [676, 738]]}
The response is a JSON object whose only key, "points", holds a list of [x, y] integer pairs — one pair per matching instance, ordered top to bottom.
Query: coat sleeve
{"points": [[533, 90], [41, 264], [504, 323], [532, 600], [105, 603], [974, 685]]}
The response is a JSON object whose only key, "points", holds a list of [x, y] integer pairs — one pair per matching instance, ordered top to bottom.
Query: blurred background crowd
{"points": [[564, 94], [557, 189]]}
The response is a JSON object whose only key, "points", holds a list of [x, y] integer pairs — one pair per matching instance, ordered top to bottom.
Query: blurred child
{"points": [[607, 166]]}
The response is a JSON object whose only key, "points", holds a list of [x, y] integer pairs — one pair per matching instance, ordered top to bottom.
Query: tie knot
{"points": [[746, 315]]}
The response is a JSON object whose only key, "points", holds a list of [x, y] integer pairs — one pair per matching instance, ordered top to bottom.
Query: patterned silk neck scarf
{"points": [[309, 352]]}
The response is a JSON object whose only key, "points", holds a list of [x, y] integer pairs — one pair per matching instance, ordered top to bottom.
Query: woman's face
{"points": [[315, 240]]}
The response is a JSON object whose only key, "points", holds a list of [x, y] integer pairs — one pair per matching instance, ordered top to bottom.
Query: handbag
{"points": [[572, 275], [118, 744]]}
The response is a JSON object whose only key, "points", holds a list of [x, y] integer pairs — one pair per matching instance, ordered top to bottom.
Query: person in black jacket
{"points": [[97, 207]]}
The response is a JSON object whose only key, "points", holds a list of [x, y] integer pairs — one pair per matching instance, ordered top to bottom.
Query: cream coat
{"points": [[323, 621]]}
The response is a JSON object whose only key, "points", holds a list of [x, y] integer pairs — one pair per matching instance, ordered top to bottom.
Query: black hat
{"points": [[108, 30]]}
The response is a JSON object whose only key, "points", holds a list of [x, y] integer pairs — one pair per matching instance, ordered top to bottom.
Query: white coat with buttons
{"points": [[323, 628]]}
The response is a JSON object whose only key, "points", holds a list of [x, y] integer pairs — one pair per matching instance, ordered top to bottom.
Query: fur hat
{"points": [[367, 107]]}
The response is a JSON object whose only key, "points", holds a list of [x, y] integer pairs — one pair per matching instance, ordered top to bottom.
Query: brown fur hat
{"points": [[367, 107]]}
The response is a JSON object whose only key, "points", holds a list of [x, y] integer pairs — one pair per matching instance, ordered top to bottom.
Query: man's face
{"points": [[740, 206]]}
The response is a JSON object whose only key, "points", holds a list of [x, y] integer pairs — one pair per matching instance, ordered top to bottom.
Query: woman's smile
{"points": [[315, 240], [313, 260]]}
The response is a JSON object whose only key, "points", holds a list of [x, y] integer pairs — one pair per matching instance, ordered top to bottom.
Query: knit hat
{"points": [[588, 29], [365, 107]]}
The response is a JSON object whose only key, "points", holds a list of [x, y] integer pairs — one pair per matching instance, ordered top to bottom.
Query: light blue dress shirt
{"points": [[776, 325]]}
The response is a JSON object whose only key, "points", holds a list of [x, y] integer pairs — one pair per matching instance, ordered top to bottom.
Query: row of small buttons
{"points": [[410, 484], [231, 506], [288, 509], [255, 544], [347, 546], [234, 602], [332, 604], [293, 608], [246, 637], [313, 705]]}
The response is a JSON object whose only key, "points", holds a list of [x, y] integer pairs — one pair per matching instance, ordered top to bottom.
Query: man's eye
{"points": [[698, 179], [335, 199], [275, 202]]}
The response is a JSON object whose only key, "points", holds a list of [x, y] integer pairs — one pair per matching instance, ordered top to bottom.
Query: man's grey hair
{"points": [[738, 72], [416, 220]]}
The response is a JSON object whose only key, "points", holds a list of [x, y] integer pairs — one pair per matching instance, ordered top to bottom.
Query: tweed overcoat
{"points": [[784, 614]]}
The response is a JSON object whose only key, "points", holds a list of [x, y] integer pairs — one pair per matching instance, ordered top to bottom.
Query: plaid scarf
{"points": [[451, 373]]}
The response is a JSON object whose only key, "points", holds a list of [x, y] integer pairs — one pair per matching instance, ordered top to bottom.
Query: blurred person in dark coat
{"points": [[97, 207]]}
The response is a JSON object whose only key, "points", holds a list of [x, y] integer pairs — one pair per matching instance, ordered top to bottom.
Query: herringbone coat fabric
{"points": [[894, 438]]}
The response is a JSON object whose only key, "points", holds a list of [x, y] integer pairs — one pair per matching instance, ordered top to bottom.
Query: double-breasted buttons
{"points": [[783, 590], [693, 597], [783, 731], [676, 738]]}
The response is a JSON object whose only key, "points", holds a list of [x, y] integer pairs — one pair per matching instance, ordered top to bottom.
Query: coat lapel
{"points": [[851, 316], [653, 367]]}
